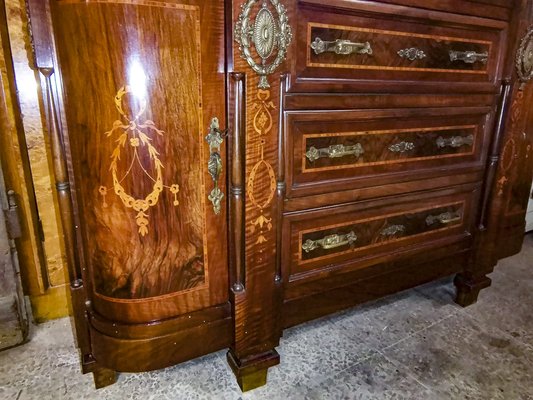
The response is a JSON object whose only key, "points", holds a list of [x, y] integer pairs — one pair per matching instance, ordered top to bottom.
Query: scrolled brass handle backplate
{"points": [[341, 47], [469, 57], [215, 138], [455, 141], [334, 151], [444, 218], [393, 230], [330, 242]]}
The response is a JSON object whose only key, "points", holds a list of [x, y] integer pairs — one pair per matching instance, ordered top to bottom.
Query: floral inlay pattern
{"points": [[134, 135]]}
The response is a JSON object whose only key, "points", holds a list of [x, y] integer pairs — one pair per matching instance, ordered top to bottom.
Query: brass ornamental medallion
{"points": [[270, 33], [524, 57]]}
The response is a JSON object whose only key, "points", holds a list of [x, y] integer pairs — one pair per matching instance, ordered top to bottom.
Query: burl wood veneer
{"points": [[226, 169]]}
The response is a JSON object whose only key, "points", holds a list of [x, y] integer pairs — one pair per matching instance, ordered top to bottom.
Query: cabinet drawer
{"points": [[353, 45], [336, 150], [330, 238]]}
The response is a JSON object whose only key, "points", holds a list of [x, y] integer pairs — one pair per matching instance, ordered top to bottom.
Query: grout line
{"points": [[410, 335], [406, 370]]}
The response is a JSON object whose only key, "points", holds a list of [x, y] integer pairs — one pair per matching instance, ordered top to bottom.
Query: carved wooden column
{"points": [[262, 35]]}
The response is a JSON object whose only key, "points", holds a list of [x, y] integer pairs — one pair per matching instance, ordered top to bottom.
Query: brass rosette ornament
{"points": [[270, 34], [524, 57]]}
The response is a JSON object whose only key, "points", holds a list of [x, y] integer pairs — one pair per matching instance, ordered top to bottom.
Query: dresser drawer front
{"points": [[348, 45], [333, 46], [332, 151], [323, 239]]}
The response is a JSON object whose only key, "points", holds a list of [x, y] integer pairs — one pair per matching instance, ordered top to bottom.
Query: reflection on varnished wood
{"points": [[156, 144]]}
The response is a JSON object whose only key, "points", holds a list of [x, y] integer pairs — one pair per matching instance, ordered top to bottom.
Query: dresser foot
{"points": [[468, 288], [251, 372], [104, 377]]}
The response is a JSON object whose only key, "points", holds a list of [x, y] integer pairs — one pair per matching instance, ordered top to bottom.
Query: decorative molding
{"points": [[268, 33], [134, 135]]}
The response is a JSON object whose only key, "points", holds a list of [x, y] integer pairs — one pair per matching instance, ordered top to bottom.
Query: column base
{"points": [[468, 288], [251, 372], [104, 377]]}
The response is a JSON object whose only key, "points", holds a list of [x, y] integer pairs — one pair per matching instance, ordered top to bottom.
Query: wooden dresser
{"points": [[227, 169]]}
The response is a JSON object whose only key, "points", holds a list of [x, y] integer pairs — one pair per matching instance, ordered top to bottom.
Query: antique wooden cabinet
{"points": [[227, 169]]}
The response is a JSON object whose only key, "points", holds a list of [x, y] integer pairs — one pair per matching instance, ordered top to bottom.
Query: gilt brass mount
{"points": [[269, 33], [341, 47], [412, 54], [469, 57], [215, 138], [455, 141], [334, 151], [444, 218], [330, 242]]}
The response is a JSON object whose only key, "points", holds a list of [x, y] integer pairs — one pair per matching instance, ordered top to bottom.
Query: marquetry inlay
{"points": [[134, 135]]}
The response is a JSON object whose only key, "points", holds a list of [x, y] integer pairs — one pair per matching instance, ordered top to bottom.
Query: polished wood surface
{"points": [[388, 29], [132, 95], [381, 136], [139, 150], [413, 217]]}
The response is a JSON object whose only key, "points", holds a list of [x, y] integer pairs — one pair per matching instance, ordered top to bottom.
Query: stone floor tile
{"points": [[388, 321], [430, 349], [312, 351], [460, 358], [373, 378]]}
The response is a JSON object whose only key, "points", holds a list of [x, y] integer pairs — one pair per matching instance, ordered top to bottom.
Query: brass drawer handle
{"points": [[339, 46], [412, 54], [469, 57], [215, 138], [455, 141], [402, 147], [334, 151], [444, 218], [393, 230], [330, 242]]}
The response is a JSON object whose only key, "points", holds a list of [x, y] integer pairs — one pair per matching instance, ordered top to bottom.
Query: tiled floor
{"points": [[414, 345]]}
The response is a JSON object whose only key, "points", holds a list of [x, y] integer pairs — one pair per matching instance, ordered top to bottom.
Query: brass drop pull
{"points": [[341, 47], [469, 57], [215, 138], [455, 141], [334, 151], [444, 218], [330, 242]]}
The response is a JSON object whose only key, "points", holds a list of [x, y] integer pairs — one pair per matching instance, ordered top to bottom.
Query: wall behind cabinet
{"points": [[43, 262]]}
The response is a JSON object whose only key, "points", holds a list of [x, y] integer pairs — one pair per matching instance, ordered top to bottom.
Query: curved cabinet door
{"points": [[142, 83]]}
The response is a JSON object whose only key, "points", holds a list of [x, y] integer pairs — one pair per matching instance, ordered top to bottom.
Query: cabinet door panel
{"points": [[142, 81]]}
